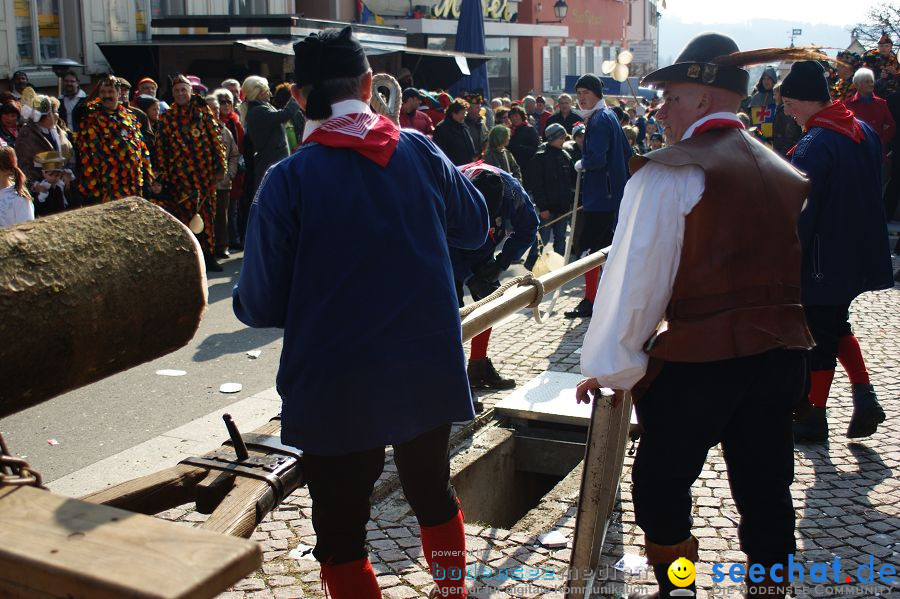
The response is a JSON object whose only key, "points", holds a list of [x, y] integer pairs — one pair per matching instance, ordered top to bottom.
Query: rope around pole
{"points": [[523, 281]]}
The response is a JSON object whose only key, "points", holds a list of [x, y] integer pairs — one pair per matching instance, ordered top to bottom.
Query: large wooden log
{"points": [[89, 293]]}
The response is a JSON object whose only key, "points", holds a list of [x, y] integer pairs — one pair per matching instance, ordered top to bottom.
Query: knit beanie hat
{"points": [[806, 81], [591, 82], [554, 131]]}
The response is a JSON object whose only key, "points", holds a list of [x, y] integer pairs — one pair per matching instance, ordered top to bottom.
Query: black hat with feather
{"points": [[714, 59]]}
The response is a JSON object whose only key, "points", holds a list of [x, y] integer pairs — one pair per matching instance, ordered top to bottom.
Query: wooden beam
{"points": [[153, 493], [53, 546]]}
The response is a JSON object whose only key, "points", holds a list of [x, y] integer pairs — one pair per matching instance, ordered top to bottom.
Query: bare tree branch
{"points": [[882, 18]]}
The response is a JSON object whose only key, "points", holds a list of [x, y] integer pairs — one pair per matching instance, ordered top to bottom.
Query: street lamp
{"points": [[560, 8]]}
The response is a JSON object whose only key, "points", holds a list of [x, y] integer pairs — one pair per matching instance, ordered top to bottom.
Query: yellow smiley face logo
{"points": [[682, 572]]}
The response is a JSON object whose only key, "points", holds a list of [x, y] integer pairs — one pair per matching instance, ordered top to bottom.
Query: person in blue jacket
{"points": [[605, 167], [514, 224], [845, 242], [372, 353]]}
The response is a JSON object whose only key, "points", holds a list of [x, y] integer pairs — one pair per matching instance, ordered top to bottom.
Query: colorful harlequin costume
{"points": [[191, 157], [114, 159]]}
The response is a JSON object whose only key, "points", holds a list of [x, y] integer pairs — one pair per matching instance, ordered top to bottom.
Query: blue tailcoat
{"points": [[605, 162], [842, 229], [352, 260]]}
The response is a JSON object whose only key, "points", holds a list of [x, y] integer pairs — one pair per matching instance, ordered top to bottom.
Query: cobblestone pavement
{"points": [[847, 495]]}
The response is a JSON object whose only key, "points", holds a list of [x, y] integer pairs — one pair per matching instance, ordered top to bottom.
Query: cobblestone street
{"points": [[847, 494]]}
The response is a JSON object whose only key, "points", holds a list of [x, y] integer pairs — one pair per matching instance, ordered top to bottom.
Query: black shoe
{"points": [[236, 247], [222, 255], [212, 265], [584, 309], [483, 375], [479, 407], [867, 412], [812, 428]]}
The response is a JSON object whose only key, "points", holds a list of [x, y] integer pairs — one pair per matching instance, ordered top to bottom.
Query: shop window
{"points": [[38, 31]]}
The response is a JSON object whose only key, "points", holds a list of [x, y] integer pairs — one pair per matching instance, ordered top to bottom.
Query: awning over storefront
{"points": [[218, 59]]}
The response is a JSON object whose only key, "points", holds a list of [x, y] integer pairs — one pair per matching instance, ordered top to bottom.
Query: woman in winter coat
{"points": [[264, 125], [41, 133]]}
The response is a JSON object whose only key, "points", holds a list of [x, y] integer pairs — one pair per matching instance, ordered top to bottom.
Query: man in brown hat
{"points": [[707, 240]]}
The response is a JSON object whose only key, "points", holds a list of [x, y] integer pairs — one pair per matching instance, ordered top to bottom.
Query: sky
{"points": [[761, 23]]}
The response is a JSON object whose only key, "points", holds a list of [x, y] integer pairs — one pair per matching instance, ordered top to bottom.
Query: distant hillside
{"points": [[763, 33]]}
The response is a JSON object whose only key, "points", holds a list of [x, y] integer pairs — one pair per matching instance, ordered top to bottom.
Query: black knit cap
{"points": [[329, 54], [694, 65], [806, 81], [591, 82]]}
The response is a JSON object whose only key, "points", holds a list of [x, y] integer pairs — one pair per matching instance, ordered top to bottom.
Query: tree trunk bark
{"points": [[89, 293]]}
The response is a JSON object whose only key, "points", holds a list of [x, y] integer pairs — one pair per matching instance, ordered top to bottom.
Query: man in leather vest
{"points": [[707, 239]]}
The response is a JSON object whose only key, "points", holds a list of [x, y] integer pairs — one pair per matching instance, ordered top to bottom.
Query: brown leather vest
{"points": [[737, 289]]}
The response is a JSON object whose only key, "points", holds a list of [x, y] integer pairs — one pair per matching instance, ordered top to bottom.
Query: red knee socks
{"points": [[591, 282], [480, 345], [852, 360], [820, 385], [444, 546], [352, 580]]}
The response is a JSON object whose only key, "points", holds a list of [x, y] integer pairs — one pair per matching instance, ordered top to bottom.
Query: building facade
{"points": [[531, 50]]}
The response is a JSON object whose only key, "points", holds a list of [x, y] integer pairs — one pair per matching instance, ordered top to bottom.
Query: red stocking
{"points": [[591, 282], [480, 345], [852, 360], [820, 385], [444, 546], [352, 580]]}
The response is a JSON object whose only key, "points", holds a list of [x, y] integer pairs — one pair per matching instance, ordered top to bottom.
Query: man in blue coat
{"points": [[605, 167], [514, 223], [844, 238], [372, 354]]}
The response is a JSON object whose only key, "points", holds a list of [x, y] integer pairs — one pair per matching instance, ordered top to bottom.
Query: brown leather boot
{"points": [[661, 557], [765, 588]]}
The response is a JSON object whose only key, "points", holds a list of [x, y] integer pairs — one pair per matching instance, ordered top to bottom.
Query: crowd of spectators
{"points": [[200, 156], [205, 158]]}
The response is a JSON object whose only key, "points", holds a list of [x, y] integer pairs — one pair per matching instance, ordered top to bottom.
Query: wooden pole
{"points": [[88, 293], [514, 300], [599, 483]]}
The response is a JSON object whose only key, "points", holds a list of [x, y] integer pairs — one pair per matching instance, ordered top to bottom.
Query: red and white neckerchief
{"points": [[837, 117], [718, 120], [373, 135]]}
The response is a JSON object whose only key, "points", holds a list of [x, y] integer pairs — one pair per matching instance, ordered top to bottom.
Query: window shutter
{"points": [[545, 68]]}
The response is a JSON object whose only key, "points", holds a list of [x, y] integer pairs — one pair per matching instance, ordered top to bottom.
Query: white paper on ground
{"points": [[253, 354], [170, 372], [230, 388], [554, 538], [302, 552], [631, 563]]}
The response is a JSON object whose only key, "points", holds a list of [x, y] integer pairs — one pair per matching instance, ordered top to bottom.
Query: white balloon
{"points": [[625, 57], [607, 66], [620, 73], [196, 224]]}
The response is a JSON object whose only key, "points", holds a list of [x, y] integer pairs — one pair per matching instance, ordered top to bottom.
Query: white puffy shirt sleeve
{"points": [[639, 273]]}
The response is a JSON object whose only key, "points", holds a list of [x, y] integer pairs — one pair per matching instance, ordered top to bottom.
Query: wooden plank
{"points": [[602, 467], [153, 493], [237, 514], [61, 547]]}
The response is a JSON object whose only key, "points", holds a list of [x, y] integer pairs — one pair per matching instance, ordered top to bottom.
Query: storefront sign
{"points": [[492, 9]]}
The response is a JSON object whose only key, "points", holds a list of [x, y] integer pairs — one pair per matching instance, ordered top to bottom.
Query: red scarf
{"points": [[838, 118], [717, 124], [373, 135]]}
